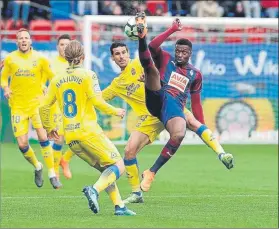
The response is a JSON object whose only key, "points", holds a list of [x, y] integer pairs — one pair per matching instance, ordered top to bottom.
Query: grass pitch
{"points": [[193, 190]]}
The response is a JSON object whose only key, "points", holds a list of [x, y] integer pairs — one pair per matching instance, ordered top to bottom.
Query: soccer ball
{"points": [[130, 29]]}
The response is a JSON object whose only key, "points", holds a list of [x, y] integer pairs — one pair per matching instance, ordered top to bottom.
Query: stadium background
{"points": [[242, 67]]}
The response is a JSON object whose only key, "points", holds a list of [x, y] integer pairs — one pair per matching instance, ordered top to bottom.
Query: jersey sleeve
{"points": [[5, 73], [47, 73], [196, 86], [109, 92], [94, 94], [45, 106]]}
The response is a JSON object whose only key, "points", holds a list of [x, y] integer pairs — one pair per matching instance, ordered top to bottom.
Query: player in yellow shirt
{"points": [[58, 65], [25, 68], [129, 86], [78, 93]]}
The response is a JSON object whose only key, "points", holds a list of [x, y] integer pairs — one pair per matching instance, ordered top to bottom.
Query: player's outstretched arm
{"points": [[154, 45], [108, 93], [94, 94], [196, 104]]}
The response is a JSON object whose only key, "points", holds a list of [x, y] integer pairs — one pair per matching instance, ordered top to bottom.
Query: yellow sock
{"points": [[207, 136], [57, 154], [30, 156], [67, 156], [48, 157], [132, 171], [109, 176], [114, 195]]}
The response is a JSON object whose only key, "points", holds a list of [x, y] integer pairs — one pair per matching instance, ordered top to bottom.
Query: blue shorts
{"points": [[163, 106]]}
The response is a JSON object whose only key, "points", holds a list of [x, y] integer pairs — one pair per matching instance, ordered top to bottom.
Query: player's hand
{"points": [[176, 25], [141, 78], [7, 92], [120, 112], [53, 135]]}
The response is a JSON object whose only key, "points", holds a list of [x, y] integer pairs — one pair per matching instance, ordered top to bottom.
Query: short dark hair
{"points": [[23, 30], [64, 36], [184, 41], [116, 45]]}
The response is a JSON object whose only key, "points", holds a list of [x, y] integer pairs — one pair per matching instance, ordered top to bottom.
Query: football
{"points": [[130, 29]]}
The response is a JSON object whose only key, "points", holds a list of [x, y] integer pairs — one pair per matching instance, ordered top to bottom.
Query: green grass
{"points": [[193, 190]]}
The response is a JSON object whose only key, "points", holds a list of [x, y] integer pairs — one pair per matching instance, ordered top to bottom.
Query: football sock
{"points": [[144, 54], [207, 136], [167, 152], [57, 154], [30, 156], [67, 156], [48, 157], [132, 172], [107, 177], [114, 195]]}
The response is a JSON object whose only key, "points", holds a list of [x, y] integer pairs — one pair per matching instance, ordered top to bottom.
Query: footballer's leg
{"points": [[152, 75], [174, 120], [20, 128], [208, 138], [136, 142], [45, 148], [57, 154], [30, 156], [48, 157], [64, 163], [115, 197]]}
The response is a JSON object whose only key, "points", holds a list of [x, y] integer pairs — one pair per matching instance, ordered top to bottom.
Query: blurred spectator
{"points": [[84, 5], [106, 7], [142, 7], [209, 8], [252, 8], [270, 8], [117, 10], [239, 10], [159, 12], [24, 13], [36, 13]]}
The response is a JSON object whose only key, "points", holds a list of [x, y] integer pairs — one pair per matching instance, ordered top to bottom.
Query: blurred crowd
{"points": [[26, 10]]}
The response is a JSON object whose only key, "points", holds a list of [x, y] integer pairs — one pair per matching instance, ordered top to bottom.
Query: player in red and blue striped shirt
{"points": [[168, 82]]}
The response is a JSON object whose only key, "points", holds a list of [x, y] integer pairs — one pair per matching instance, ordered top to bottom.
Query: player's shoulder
{"points": [[11, 55], [194, 70], [88, 73]]}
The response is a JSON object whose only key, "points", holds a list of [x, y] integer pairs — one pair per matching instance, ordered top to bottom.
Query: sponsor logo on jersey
{"points": [[133, 71], [178, 81], [131, 89]]}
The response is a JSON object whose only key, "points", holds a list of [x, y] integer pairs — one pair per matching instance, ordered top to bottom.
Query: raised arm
{"points": [[154, 45], [196, 104]]}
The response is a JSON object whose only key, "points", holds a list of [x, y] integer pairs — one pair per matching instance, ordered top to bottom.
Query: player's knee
{"points": [[178, 136], [23, 145], [130, 152], [121, 166]]}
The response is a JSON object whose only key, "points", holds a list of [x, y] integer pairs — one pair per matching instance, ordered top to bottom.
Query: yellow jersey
{"points": [[58, 64], [26, 72], [127, 87], [78, 93]]}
